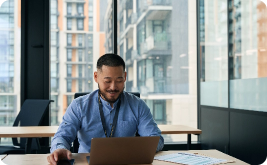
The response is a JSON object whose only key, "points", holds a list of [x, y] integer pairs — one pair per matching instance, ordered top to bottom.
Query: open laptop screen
{"points": [[123, 150]]}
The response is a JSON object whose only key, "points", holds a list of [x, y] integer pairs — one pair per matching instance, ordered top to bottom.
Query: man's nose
{"points": [[113, 86]]}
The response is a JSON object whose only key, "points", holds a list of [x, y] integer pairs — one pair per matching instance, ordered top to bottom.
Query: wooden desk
{"points": [[180, 129], [49, 131], [29, 133], [80, 159]]}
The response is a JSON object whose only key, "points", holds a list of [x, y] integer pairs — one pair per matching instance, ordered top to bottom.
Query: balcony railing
{"points": [[143, 4], [157, 41], [156, 85]]}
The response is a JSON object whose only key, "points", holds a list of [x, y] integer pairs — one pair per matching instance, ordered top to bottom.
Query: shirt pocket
{"points": [[126, 128]]}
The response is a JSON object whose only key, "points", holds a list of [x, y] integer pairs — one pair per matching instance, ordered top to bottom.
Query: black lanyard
{"points": [[115, 119]]}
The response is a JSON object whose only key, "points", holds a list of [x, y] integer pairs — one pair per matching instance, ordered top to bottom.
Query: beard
{"points": [[104, 96]]}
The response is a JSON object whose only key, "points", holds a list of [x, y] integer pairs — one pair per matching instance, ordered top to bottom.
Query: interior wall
{"points": [[239, 133]]}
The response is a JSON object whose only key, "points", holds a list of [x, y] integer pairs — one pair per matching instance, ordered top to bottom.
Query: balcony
{"points": [[75, 1], [144, 4], [76, 15], [157, 41], [156, 85]]}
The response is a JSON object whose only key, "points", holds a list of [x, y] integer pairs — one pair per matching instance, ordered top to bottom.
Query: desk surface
{"points": [[178, 129], [38, 131], [49, 131], [80, 159]]}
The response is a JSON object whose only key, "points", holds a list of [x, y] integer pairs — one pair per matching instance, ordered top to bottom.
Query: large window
{"points": [[157, 41], [10, 45], [74, 49], [248, 55], [240, 58], [214, 66]]}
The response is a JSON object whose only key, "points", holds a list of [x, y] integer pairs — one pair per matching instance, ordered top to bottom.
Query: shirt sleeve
{"points": [[147, 126], [67, 130]]}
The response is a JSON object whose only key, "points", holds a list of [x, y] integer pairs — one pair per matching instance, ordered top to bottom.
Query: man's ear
{"points": [[125, 74], [95, 76]]}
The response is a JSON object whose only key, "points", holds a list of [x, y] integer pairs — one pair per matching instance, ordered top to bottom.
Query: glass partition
{"points": [[213, 50], [248, 54]]}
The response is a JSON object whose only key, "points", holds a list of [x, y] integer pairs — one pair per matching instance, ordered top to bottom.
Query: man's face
{"points": [[110, 82]]}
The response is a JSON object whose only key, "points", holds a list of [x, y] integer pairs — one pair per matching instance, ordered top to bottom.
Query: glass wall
{"points": [[10, 28], [157, 40], [244, 40], [77, 41], [213, 52], [248, 74]]}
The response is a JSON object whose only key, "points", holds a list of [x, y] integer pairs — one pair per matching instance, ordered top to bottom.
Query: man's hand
{"points": [[59, 154]]}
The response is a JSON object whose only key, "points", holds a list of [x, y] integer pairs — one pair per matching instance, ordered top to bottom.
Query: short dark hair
{"points": [[110, 59]]}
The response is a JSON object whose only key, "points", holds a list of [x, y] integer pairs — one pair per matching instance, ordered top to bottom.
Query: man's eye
{"points": [[107, 81], [119, 81]]}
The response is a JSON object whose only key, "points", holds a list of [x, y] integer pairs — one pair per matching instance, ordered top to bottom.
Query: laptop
{"points": [[123, 150]]}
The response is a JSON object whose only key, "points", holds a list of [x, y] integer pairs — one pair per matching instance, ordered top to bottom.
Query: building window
{"points": [[53, 7], [69, 9], [80, 9], [91, 12], [53, 22], [69, 23], [79, 24], [91, 24], [11, 37], [54, 38], [69, 39], [80, 40], [90, 40], [54, 54], [69, 54], [80, 55], [90, 55], [54, 69], [69, 70], [80, 71], [54, 84], [69, 84], [80, 86], [69, 99], [157, 108]]}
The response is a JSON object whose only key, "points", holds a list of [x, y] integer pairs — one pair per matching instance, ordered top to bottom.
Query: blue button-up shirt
{"points": [[82, 118]]}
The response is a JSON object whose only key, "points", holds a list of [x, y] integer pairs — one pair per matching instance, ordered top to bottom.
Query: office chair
{"points": [[31, 114], [76, 142]]}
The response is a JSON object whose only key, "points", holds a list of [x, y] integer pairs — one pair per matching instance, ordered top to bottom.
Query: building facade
{"points": [[77, 41], [160, 60]]}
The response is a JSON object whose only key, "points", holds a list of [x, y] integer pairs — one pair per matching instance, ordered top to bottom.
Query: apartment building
{"points": [[77, 41], [160, 60]]}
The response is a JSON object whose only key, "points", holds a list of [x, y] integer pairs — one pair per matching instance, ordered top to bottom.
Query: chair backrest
{"points": [[31, 114], [76, 142]]}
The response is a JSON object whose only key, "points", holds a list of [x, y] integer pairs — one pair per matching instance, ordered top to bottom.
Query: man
{"points": [[106, 112]]}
